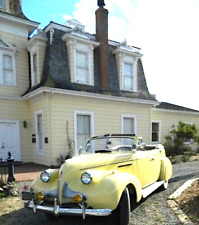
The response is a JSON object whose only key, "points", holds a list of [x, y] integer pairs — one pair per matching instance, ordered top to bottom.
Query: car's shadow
{"points": [[183, 177], [27, 217]]}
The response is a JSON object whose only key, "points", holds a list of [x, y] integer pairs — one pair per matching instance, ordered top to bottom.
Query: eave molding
{"points": [[84, 39], [43, 90]]}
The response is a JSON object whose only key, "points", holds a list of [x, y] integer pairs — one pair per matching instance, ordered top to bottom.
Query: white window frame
{"points": [[80, 42], [11, 53], [88, 54], [125, 54], [132, 64], [34, 73], [83, 113], [127, 116], [159, 134], [38, 150]]}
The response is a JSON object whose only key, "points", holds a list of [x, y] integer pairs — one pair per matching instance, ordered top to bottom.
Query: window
{"points": [[2, 4], [81, 57], [127, 59], [7, 68], [34, 69], [82, 70], [128, 77], [128, 124], [83, 128], [39, 132], [155, 132]]}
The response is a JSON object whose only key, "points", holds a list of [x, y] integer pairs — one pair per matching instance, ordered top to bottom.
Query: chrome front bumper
{"points": [[57, 210]]}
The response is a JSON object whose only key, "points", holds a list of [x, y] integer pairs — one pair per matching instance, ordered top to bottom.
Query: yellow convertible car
{"points": [[113, 173]]}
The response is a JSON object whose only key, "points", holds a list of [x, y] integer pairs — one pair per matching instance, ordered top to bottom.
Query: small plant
{"points": [[70, 150]]}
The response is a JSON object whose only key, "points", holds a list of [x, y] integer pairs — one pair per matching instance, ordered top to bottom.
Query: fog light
{"points": [[40, 196], [78, 198]]}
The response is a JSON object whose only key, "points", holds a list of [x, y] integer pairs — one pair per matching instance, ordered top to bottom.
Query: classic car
{"points": [[107, 179]]}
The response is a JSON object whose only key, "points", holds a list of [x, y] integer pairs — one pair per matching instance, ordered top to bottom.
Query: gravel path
{"points": [[152, 211]]}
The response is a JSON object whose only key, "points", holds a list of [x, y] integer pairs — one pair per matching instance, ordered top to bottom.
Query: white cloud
{"points": [[167, 32]]}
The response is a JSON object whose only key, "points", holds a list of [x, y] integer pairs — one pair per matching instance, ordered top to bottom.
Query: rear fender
{"points": [[166, 169]]}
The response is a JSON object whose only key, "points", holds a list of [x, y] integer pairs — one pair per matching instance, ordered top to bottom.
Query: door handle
{"points": [[2, 146], [152, 158]]}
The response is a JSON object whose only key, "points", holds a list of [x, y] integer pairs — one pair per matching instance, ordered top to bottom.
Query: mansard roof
{"points": [[56, 71]]}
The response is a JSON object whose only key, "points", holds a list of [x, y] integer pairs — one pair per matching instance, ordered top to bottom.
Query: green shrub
{"points": [[175, 141]]}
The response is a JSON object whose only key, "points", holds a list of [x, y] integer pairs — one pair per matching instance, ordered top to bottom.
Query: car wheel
{"points": [[164, 186], [123, 209]]}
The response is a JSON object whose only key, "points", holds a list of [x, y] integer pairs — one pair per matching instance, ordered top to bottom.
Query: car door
{"points": [[147, 166]]}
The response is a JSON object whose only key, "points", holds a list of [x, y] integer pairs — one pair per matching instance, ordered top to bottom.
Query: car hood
{"points": [[88, 161]]}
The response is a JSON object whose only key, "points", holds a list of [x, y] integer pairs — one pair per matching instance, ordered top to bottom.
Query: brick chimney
{"points": [[102, 37]]}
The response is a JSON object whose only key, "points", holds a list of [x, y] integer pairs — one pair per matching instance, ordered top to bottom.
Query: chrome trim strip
{"points": [[56, 210]]}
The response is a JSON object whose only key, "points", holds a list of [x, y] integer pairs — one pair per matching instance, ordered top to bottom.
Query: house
{"points": [[63, 85]]}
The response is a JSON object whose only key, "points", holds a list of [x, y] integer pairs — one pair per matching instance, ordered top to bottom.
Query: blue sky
{"points": [[166, 30]]}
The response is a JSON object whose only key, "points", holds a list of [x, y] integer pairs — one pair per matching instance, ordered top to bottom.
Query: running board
{"points": [[148, 190]]}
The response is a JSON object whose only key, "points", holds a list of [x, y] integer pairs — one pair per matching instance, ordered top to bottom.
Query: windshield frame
{"points": [[108, 141]]}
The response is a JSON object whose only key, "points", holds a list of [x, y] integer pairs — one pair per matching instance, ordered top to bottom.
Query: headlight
{"points": [[45, 176], [86, 178]]}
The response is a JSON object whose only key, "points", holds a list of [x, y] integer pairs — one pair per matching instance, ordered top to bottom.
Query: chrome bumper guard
{"points": [[57, 210]]}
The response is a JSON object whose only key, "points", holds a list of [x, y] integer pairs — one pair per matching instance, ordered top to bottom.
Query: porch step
{"points": [[148, 190]]}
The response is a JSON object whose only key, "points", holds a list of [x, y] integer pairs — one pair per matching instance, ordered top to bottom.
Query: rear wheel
{"points": [[164, 186], [123, 209]]}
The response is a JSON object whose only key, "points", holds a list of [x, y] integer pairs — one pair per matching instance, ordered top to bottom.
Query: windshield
{"points": [[110, 144]]}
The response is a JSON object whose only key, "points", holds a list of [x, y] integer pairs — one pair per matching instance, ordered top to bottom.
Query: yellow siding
{"points": [[22, 68], [40, 104], [18, 111], [107, 118], [170, 118]]}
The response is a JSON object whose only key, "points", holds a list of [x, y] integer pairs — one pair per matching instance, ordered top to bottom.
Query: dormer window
{"points": [[2, 4], [36, 47], [81, 58], [126, 58], [7, 64], [34, 69], [82, 74], [128, 76]]}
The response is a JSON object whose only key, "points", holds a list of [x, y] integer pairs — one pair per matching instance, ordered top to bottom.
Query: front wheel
{"points": [[123, 209]]}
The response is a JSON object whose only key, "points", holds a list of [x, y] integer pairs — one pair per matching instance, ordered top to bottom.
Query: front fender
{"points": [[38, 186], [107, 192]]}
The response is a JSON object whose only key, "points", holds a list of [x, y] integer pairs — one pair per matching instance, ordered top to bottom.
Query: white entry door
{"points": [[9, 140]]}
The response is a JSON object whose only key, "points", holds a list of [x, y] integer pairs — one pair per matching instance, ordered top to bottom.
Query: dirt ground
{"points": [[189, 202]]}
